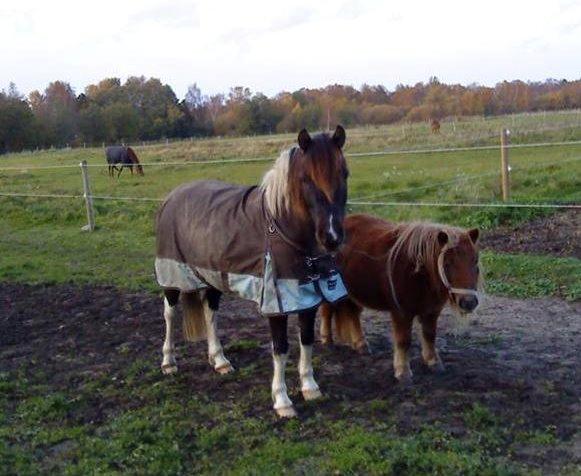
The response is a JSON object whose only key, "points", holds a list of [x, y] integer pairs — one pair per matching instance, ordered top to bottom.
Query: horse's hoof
{"points": [[326, 340], [363, 348], [437, 367], [169, 369], [225, 369], [404, 379], [312, 394], [286, 412]]}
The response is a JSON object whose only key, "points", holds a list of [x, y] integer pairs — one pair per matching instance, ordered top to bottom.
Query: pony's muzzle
{"points": [[332, 241], [468, 303]]}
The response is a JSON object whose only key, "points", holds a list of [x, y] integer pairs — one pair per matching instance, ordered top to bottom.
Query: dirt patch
{"points": [[558, 235], [520, 359]]}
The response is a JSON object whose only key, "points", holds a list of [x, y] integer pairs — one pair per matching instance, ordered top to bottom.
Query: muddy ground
{"points": [[558, 235], [520, 359]]}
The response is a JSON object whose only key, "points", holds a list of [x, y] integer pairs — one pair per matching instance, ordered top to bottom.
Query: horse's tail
{"points": [[133, 157], [346, 316], [194, 324]]}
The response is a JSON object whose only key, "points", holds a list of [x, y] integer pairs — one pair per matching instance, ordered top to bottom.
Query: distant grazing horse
{"points": [[435, 125], [119, 156], [271, 244], [408, 269]]}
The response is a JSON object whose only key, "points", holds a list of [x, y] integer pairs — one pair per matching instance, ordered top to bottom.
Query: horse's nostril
{"points": [[468, 303]]}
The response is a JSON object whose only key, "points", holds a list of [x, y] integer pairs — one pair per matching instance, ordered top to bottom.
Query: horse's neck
{"points": [[301, 232]]}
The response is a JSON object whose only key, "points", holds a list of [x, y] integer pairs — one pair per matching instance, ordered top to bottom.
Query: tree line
{"points": [[142, 108]]}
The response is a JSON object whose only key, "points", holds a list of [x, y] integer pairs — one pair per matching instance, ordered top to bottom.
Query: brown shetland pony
{"points": [[408, 269]]}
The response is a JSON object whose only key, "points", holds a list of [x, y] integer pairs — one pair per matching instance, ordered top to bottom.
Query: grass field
{"points": [[41, 241], [127, 419]]}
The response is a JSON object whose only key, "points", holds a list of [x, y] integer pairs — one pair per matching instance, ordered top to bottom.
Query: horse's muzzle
{"points": [[468, 303]]}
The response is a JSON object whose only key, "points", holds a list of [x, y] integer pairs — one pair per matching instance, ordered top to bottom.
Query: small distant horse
{"points": [[435, 125], [119, 156], [271, 244], [408, 269]]}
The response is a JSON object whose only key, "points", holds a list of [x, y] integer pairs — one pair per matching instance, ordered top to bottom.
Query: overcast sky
{"points": [[271, 46]]}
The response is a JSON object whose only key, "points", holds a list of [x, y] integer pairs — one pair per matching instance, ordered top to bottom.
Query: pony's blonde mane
{"points": [[275, 184], [418, 242]]}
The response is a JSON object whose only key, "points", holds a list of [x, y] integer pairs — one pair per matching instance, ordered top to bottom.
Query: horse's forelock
{"points": [[325, 164], [418, 242]]}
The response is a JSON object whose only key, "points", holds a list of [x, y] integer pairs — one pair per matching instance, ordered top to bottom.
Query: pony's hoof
{"points": [[326, 340], [363, 348], [169, 369], [225, 369], [312, 394], [286, 412]]}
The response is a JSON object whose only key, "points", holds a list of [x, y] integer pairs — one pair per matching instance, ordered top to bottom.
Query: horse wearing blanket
{"points": [[272, 244]]}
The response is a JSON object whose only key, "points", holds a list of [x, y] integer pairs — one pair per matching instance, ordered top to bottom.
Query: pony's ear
{"points": [[339, 136], [304, 140], [474, 233], [442, 237]]}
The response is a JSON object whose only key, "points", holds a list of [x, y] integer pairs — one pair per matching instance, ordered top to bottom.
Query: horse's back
{"points": [[115, 154], [214, 225]]}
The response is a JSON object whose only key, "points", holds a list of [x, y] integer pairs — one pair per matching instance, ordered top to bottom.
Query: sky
{"points": [[270, 46]]}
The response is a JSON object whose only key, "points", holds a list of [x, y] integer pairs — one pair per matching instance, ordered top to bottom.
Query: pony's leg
{"points": [[120, 170], [326, 312], [402, 339], [215, 351], [430, 355], [169, 364], [309, 387], [282, 404]]}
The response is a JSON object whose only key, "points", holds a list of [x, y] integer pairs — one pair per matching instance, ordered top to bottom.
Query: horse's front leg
{"points": [[402, 339], [215, 351], [430, 354], [169, 364], [309, 387], [283, 406]]}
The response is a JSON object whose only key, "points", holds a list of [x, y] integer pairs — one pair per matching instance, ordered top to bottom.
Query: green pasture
{"points": [[41, 239]]}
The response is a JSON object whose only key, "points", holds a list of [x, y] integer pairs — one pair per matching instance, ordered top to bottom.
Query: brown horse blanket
{"points": [[210, 233]]}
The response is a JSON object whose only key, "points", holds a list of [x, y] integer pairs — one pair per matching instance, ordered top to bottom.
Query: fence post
{"points": [[504, 166], [90, 226]]}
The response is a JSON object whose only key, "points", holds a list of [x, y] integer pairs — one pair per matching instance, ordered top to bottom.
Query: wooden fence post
{"points": [[504, 166], [90, 226]]}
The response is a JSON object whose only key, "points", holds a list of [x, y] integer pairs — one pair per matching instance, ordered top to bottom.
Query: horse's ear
{"points": [[339, 136], [304, 140], [474, 233], [442, 237]]}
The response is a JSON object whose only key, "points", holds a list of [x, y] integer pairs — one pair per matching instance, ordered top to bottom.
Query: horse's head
{"points": [[319, 184], [458, 267]]}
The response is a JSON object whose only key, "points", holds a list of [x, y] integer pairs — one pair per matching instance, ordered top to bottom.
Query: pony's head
{"points": [[309, 182], [458, 267]]}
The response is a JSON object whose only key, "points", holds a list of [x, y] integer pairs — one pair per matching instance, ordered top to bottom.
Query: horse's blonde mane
{"points": [[275, 184], [418, 242]]}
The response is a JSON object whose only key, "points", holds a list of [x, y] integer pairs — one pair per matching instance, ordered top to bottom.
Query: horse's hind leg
{"points": [[348, 325], [430, 355], [216, 357], [168, 364], [309, 387], [282, 403]]}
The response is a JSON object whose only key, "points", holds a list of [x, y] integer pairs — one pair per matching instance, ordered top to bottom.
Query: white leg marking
{"points": [[332, 231], [215, 352], [168, 364], [309, 387], [282, 404]]}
